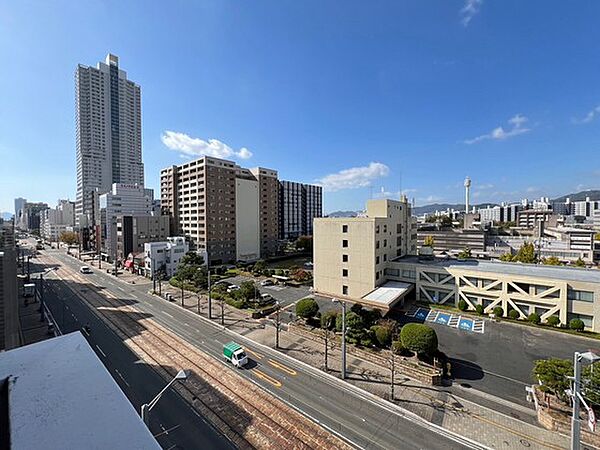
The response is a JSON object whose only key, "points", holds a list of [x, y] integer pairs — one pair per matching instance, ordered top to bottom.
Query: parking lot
{"points": [[285, 295]]}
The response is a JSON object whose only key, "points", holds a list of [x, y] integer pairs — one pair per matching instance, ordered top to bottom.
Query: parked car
{"points": [[308, 265], [85, 269], [267, 282], [233, 287]]}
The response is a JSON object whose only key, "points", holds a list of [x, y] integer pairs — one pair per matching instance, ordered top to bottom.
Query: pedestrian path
{"points": [[464, 323]]}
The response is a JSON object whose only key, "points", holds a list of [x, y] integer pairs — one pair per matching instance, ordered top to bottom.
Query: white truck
{"points": [[235, 354]]}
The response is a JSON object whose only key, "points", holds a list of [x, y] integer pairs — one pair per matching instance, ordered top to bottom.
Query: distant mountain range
{"points": [[578, 196], [428, 209], [6, 215]]}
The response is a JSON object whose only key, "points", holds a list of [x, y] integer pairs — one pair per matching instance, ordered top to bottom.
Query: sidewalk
{"points": [[483, 417]]}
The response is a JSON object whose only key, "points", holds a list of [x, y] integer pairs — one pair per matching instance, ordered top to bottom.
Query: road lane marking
{"points": [[120, 288], [167, 314], [185, 324], [100, 350], [258, 355], [282, 367], [264, 376], [122, 377]]}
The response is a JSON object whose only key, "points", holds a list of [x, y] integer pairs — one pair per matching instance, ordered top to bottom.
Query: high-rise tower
{"points": [[109, 131], [467, 194]]}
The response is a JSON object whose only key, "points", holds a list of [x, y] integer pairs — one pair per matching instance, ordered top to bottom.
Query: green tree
{"points": [[445, 221], [69, 237], [597, 237], [428, 241], [305, 244], [465, 254], [526, 254], [506, 257], [551, 261], [579, 262], [259, 266], [191, 270], [249, 290], [462, 305], [307, 308], [498, 311], [513, 314], [534, 318], [328, 319], [553, 321], [576, 324], [355, 327], [383, 335], [419, 338], [553, 373], [591, 383]]}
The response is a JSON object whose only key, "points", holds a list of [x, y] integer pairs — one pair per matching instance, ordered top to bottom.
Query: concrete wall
{"points": [[247, 225], [328, 256]]}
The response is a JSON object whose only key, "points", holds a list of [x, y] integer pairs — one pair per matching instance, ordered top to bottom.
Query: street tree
{"points": [[69, 237], [428, 241], [526, 254], [551, 261], [307, 308], [419, 338], [553, 375]]}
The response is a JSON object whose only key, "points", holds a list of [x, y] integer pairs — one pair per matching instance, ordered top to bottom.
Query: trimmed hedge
{"points": [[462, 305], [307, 308], [479, 309], [498, 311], [514, 314], [534, 318], [553, 321], [576, 324], [383, 336], [419, 338]]}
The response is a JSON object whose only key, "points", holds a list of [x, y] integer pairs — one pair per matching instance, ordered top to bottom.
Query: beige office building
{"points": [[205, 199], [351, 254], [370, 260]]}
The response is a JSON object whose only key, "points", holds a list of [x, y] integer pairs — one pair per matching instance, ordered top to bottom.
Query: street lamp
{"points": [[341, 302], [575, 393], [147, 407]]}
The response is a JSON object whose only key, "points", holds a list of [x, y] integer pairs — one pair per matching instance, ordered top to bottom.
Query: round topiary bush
{"points": [[462, 305], [307, 308], [479, 309], [498, 311], [514, 314], [534, 318], [553, 321], [576, 324], [383, 336], [419, 338], [399, 349]]}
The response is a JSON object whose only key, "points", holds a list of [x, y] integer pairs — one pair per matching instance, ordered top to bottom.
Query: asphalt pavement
{"points": [[358, 417], [173, 422]]}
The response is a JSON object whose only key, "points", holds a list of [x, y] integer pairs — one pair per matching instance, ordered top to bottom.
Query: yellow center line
{"points": [[258, 355], [282, 367], [266, 377]]}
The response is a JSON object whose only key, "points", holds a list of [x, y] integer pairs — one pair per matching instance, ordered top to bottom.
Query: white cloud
{"points": [[469, 10], [591, 115], [499, 133], [188, 145], [355, 177], [396, 194]]}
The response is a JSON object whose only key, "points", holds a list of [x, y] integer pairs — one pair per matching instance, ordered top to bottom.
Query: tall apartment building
{"points": [[109, 131], [123, 199], [19, 204], [299, 205], [228, 212], [31, 215], [55, 221], [133, 232], [350, 254], [9, 307]]}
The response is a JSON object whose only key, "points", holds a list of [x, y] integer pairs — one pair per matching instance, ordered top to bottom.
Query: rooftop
{"points": [[531, 270], [386, 295], [60, 395]]}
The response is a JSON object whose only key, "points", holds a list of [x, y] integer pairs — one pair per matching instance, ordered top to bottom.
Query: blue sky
{"points": [[359, 96]]}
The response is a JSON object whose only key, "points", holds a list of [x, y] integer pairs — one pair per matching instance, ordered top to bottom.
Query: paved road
{"points": [[342, 408], [174, 423]]}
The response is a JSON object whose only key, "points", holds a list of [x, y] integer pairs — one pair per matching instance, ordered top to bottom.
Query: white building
{"points": [[109, 131], [123, 199], [585, 208], [57, 220], [164, 256]]}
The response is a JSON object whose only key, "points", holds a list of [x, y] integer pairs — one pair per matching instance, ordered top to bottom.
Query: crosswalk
{"points": [[449, 319]]}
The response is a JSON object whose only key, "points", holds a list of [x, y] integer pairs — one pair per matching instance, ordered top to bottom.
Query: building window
{"points": [[344, 228], [385, 228], [377, 229], [345, 243], [384, 243], [377, 244], [385, 257], [344, 258], [377, 260], [344, 272], [377, 275], [344, 290], [582, 296], [588, 321]]}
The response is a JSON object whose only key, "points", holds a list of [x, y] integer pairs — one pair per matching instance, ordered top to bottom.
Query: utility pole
{"points": [[153, 278], [182, 294], [198, 294], [209, 299], [335, 300], [222, 311], [277, 325], [575, 394]]}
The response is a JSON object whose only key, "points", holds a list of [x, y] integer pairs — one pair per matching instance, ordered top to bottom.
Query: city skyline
{"points": [[382, 126]]}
